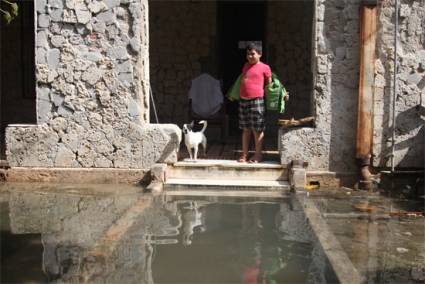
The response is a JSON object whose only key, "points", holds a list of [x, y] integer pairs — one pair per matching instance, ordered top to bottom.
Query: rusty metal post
{"points": [[366, 85]]}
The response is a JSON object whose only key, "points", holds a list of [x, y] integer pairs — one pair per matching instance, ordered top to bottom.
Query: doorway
{"points": [[240, 22], [188, 38]]}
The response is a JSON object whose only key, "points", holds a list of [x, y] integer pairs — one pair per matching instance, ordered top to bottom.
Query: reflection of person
{"points": [[255, 75], [192, 218], [252, 273]]}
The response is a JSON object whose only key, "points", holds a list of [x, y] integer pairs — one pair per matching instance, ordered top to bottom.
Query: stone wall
{"points": [[289, 42], [182, 45], [92, 74], [410, 93], [331, 144]]}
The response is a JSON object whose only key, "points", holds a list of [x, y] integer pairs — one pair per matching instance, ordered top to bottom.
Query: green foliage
{"points": [[9, 13]]}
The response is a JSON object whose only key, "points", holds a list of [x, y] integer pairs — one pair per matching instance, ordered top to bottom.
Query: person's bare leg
{"points": [[246, 138], [258, 138]]}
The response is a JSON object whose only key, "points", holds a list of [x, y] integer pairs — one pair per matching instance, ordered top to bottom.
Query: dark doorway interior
{"points": [[239, 22], [17, 76]]}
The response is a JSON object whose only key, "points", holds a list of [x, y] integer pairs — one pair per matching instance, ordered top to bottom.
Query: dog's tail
{"points": [[204, 122]]}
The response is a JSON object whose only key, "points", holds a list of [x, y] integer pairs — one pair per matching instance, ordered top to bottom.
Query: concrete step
{"points": [[4, 164], [227, 170], [225, 184]]}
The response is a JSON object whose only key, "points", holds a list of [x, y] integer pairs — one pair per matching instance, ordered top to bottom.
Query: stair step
{"points": [[4, 164], [228, 170], [227, 184], [228, 193]]}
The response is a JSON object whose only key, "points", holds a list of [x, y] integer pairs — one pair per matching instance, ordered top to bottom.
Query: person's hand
{"points": [[286, 98]]}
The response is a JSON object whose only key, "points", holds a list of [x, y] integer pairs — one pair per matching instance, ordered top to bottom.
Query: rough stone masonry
{"points": [[92, 72], [331, 144]]}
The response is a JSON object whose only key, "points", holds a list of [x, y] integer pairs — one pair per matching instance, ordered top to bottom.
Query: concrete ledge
{"points": [[76, 176], [225, 185], [341, 264]]}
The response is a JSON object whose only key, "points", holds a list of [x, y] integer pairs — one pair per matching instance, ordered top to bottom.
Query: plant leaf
{"points": [[15, 9], [7, 17]]}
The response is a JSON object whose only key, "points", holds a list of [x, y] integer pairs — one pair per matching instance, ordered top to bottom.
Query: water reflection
{"points": [[135, 238]]}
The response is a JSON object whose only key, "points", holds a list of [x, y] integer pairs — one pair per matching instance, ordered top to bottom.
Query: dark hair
{"points": [[254, 46]]}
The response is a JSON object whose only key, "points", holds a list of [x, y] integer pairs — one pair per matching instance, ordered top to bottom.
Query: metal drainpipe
{"points": [[394, 86], [364, 139]]}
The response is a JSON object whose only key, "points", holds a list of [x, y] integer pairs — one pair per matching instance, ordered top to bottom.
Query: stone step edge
{"points": [[230, 164], [223, 176], [227, 182], [284, 193]]}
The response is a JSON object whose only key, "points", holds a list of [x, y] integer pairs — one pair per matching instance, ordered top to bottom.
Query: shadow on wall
{"points": [[406, 122], [170, 147]]}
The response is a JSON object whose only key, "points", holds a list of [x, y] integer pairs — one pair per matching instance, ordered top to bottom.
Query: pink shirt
{"points": [[253, 79]]}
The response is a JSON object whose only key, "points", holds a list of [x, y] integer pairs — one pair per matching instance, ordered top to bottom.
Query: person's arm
{"points": [[268, 75], [268, 80]]}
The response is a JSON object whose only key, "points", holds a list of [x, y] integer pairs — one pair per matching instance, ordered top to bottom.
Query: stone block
{"points": [[111, 3], [41, 6], [97, 6], [56, 15], [83, 15], [69, 16], [107, 17], [43, 21], [42, 39], [57, 40], [118, 52], [41, 56], [53, 56], [160, 144], [305, 144], [30, 145], [64, 157], [158, 172], [297, 178]]}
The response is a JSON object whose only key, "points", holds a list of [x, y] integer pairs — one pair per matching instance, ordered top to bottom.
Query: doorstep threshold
{"points": [[227, 163]]}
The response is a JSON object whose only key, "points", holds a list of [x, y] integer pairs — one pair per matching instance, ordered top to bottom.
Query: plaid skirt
{"points": [[251, 114]]}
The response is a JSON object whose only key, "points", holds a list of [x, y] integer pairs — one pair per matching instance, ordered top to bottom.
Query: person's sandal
{"points": [[242, 159], [255, 160]]}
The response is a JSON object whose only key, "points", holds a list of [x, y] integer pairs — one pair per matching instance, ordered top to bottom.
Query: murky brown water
{"points": [[118, 235], [383, 237]]}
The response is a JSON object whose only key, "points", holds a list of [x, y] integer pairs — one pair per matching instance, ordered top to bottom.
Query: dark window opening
{"points": [[17, 63]]}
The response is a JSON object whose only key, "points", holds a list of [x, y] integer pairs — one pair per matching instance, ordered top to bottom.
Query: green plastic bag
{"points": [[235, 91], [275, 95]]}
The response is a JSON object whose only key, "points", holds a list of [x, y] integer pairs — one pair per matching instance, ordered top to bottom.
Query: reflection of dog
{"points": [[193, 139], [193, 220]]}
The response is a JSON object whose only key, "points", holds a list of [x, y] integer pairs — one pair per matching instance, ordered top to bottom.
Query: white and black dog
{"points": [[193, 139]]}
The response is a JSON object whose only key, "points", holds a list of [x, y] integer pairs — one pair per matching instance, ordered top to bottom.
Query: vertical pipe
{"points": [[366, 84], [394, 86]]}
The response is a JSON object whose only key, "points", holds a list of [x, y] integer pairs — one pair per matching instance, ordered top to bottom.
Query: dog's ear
{"points": [[192, 124]]}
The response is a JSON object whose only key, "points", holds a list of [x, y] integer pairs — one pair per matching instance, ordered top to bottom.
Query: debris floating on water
{"points": [[402, 250]]}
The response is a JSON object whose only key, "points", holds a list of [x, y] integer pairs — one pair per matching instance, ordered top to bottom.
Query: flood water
{"points": [[118, 235]]}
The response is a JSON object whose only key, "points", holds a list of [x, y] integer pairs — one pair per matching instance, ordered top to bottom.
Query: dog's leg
{"points": [[204, 146], [190, 152], [195, 154]]}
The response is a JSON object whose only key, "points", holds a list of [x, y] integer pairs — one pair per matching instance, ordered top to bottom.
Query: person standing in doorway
{"points": [[255, 76]]}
